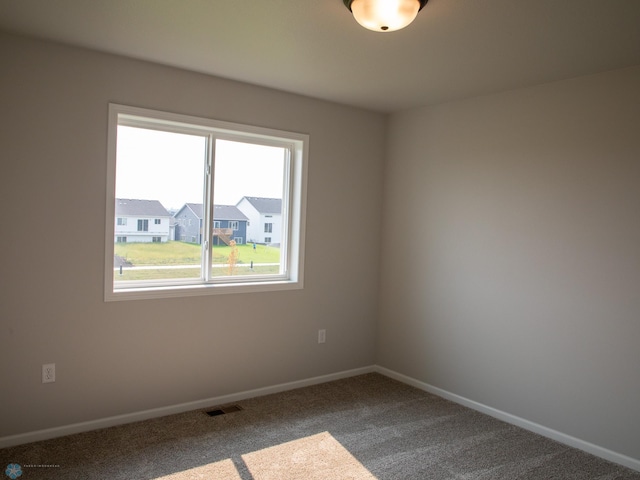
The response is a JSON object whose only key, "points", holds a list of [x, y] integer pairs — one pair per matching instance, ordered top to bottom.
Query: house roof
{"points": [[265, 205], [142, 208], [196, 208], [220, 212], [227, 212]]}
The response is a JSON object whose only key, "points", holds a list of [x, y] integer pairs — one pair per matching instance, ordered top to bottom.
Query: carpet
{"points": [[364, 427]]}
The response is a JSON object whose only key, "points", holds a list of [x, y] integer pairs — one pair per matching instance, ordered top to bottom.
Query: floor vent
{"points": [[223, 410]]}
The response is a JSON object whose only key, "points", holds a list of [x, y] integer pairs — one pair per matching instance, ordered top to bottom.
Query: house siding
{"points": [[257, 220], [189, 226], [130, 230], [241, 232]]}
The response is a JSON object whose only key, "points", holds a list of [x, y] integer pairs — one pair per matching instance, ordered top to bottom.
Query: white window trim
{"points": [[294, 207]]}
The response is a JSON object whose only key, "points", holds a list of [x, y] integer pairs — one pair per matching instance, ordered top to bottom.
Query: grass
{"points": [[180, 253], [158, 274]]}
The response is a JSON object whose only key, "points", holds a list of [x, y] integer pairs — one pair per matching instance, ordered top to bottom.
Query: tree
{"points": [[233, 257]]}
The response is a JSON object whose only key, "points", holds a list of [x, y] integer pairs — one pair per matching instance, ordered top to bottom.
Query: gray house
{"points": [[188, 223], [229, 223]]}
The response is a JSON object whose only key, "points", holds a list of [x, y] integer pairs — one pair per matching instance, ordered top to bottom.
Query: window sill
{"points": [[145, 293]]}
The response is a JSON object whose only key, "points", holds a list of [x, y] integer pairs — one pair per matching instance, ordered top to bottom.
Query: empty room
{"points": [[289, 239]]}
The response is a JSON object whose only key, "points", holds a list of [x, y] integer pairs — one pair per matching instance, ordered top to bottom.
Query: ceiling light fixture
{"points": [[385, 15]]}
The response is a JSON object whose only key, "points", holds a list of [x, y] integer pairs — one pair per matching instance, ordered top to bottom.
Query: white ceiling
{"points": [[454, 49]]}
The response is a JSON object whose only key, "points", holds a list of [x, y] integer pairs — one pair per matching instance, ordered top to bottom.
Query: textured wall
{"points": [[516, 282], [122, 357]]}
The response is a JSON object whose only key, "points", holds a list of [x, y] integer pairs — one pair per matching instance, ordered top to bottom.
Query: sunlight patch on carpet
{"points": [[315, 457], [224, 469]]}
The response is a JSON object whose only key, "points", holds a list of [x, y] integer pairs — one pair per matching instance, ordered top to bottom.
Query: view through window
{"points": [[196, 204]]}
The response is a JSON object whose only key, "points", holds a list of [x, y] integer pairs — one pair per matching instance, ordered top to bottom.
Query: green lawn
{"points": [[179, 253], [158, 274]]}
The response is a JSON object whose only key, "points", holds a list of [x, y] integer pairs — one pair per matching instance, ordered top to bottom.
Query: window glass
{"points": [[158, 172], [197, 190]]}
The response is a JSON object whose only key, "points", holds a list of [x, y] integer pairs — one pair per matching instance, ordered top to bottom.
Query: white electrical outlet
{"points": [[322, 336], [49, 373]]}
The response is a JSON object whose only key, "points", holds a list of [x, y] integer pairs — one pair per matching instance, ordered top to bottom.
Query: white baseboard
{"points": [[46, 434], [560, 437]]}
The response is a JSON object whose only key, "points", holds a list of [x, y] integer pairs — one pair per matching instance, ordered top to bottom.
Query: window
{"points": [[169, 162], [122, 221], [143, 225], [268, 227], [121, 239], [267, 239]]}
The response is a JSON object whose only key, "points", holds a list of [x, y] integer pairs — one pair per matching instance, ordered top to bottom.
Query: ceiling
{"points": [[454, 49]]}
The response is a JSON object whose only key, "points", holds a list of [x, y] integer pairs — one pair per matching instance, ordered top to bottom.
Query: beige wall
{"points": [[510, 266], [511, 272], [122, 357]]}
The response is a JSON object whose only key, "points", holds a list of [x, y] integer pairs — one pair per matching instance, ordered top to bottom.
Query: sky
{"points": [[169, 167]]}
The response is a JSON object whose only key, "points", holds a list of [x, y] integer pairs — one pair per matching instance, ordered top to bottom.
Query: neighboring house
{"points": [[265, 219], [141, 221], [188, 223], [229, 223]]}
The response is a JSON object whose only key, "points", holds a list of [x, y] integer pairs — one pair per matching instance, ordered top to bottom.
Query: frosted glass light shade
{"points": [[385, 15]]}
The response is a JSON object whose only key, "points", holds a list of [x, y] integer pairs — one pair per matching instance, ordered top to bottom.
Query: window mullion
{"points": [[207, 256]]}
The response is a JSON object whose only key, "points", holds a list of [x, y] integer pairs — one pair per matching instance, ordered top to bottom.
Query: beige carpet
{"points": [[364, 427], [317, 457], [224, 469]]}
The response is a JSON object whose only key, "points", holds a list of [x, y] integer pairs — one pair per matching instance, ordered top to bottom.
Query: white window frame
{"points": [[294, 206], [234, 225]]}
